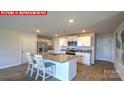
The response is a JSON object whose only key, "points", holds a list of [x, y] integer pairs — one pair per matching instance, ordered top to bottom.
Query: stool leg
{"points": [[28, 69], [54, 70], [31, 71], [37, 74], [44, 74]]}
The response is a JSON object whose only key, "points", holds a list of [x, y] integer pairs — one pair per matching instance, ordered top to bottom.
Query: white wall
{"points": [[10, 47], [104, 47], [118, 52]]}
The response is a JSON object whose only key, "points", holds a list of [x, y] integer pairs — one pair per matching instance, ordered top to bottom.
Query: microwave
{"points": [[72, 43]]}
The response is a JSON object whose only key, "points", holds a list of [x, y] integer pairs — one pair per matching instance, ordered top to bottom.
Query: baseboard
{"points": [[104, 61], [3, 67]]}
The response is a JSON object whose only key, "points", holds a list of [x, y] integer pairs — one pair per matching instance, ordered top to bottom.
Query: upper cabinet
{"points": [[72, 38], [63, 41], [84, 41]]}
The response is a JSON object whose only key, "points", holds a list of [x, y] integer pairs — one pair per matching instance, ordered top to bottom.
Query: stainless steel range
{"points": [[71, 52]]}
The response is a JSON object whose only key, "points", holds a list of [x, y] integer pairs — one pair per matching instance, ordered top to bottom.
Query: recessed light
{"points": [[71, 20], [37, 31], [84, 31], [56, 35]]}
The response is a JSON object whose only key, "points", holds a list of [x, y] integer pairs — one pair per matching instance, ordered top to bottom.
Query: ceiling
{"points": [[56, 22]]}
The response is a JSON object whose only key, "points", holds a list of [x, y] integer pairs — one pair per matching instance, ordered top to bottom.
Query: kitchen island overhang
{"points": [[66, 65]]}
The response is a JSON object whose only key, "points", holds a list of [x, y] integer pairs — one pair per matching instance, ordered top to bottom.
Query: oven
{"points": [[70, 53]]}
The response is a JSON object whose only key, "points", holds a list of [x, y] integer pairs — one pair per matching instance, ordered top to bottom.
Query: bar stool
{"points": [[31, 63], [44, 69]]}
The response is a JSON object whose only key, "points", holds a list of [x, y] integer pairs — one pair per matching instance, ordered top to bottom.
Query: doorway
{"points": [[27, 45]]}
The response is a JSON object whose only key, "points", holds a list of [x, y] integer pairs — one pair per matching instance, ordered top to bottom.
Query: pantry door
{"points": [[104, 47]]}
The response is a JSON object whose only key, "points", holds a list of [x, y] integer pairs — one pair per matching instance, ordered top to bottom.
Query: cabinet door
{"points": [[70, 38], [74, 38], [63, 41], [84, 41], [56, 44], [86, 59]]}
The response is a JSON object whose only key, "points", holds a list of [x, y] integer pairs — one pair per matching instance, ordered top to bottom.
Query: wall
{"points": [[10, 47], [104, 47], [119, 50]]}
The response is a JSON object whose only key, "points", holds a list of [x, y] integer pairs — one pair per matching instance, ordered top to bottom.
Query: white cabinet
{"points": [[72, 38], [63, 41], [84, 41], [56, 44], [63, 52], [79, 53], [83, 58], [86, 59]]}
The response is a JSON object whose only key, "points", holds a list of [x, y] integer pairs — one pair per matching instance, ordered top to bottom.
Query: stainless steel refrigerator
{"points": [[42, 46]]}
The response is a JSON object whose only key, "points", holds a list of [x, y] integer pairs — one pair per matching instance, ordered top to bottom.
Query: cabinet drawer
{"points": [[79, 54]]}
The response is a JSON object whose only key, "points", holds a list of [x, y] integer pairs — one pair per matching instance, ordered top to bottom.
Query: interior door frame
{"points": [[23, 51]]}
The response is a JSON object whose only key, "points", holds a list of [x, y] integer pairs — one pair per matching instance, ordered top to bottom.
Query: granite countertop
{"points": [[61, 58]]}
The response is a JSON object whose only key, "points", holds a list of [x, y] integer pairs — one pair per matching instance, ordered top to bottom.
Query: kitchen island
{"points": [[66, 65]]}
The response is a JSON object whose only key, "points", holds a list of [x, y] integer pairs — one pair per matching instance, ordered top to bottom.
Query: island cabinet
{"points": [[66, 65], [65, 71]]}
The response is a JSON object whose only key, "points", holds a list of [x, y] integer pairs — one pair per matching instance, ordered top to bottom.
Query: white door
{"points": [[27, 45], [104, 47], [107, 49]]}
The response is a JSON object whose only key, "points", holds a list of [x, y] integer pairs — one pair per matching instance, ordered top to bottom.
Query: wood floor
{"points": [[101, 71]]}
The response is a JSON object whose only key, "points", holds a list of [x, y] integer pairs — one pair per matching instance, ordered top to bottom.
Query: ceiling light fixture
{"points": [[71, 20], [37, 31], [84, 31], [56, 35]]}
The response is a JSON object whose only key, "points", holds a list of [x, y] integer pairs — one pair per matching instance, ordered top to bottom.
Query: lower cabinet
{"points": [[63, 52], [83, 58], [86, 59]]}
